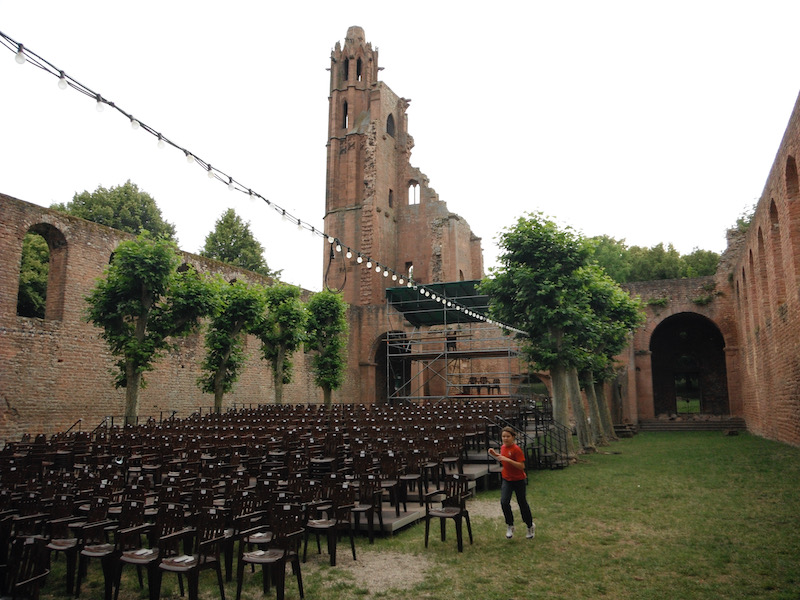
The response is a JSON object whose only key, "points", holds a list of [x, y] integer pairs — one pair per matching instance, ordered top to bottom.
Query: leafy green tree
{"points": [[124, 207], [233, 243], [613, 256], [657, 262], [701, 262], [33, 273], [535, 287], [143, 301], [238, 308], [615, 315], [282, 331], [327, 337]]}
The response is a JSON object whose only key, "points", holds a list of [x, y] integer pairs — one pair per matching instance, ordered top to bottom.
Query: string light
{"points": [[23, 55]]}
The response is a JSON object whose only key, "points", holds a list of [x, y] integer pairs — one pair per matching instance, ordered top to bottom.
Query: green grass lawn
{"points": [[661, 515]]}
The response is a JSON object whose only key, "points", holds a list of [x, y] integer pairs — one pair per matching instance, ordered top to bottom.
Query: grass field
{"points": [[660, 515]]}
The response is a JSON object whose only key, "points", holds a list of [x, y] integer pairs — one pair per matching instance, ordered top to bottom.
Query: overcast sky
{"points": [[647, 121]]}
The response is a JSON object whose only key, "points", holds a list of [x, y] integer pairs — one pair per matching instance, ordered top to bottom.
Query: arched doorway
{"points": [[688, 360], [392, 368]]}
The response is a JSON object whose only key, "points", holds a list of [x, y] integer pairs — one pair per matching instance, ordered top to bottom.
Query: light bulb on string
{"points": [[20, 57], [62, 81], [99, 106], [134, 124], [161, 145], [190, 158], [210, 172], [231, 187], [251, 196], [283, 214], [299, 225], [312, 230], [330, 240], [338, 247], [349, 254], [359, 259], [369, 264], [377, 268], [385, 273], [394, 277], [400, 281], [409, 284]]}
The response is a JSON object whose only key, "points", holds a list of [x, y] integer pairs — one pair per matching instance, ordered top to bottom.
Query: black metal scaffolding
{"points": [[441, 346]]}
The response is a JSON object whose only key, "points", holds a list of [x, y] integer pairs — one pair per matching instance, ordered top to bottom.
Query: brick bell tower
{"points": [[368, 152], [381, 208]]}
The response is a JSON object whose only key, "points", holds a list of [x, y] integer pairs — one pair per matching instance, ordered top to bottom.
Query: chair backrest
{"points": [[286, 520], [28, 562]]}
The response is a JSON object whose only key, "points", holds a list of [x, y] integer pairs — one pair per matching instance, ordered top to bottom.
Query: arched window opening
{"points": [[346, 69], [359, 69], [345, 121], [390, 125], [792, 186], [391, 198], [413, 198], [777, 254], [33, 274], [42, 275], [460, 275], [763, 277]]}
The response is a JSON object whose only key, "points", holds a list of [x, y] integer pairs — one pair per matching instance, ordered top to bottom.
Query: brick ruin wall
{"points": [[57, 370]]}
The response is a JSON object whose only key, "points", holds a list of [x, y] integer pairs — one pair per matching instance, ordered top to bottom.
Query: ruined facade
{"points": [[382, 209], [731, 340]]}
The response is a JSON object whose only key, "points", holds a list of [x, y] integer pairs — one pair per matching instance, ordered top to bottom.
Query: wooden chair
{"points": [[449, 502], [369, 503], [286, 524]]}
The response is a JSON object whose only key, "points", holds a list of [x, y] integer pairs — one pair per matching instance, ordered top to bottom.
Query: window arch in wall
{"points": [[346, 69], [359, 69], [345, 116], [390, 124], [790, 173], [413, 189], [777, 253], [42, 275], [763, 277], [689, 370]]}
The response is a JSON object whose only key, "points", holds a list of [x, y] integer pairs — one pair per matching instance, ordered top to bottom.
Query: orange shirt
{"points": [[510, 472]]}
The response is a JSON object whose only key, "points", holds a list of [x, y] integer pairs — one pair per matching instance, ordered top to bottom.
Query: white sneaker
{"points": [[510, 532], [531, 533]]}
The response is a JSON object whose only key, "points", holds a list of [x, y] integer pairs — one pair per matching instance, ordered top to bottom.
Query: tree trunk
{"points": [[277, 375], [558, 375], [133, 380], [326, 396], [605, 411], [578, 413], [599, 437]]}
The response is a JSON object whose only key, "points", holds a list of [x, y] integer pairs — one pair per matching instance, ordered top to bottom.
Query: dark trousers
{"points": [[518, 488]]}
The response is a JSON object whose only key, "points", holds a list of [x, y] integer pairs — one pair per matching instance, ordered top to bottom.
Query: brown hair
{"points": [[510, 430]]}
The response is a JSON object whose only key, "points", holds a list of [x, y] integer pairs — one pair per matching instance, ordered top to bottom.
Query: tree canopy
{"points": [[124, 207], [233, 243], [636, 263], [142, 302]]}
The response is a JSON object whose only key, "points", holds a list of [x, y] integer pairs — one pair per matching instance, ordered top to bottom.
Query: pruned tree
{"points": [[124, 207], [233, 243], [535, 288], [142, 304], [238, 309], [281, 331], [327, 337]]}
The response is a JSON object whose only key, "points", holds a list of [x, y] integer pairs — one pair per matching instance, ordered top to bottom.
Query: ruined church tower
{"points": [[381, 209]]}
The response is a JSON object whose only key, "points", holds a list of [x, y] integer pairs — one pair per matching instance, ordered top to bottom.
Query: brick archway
{"points": [[688, 365]]}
